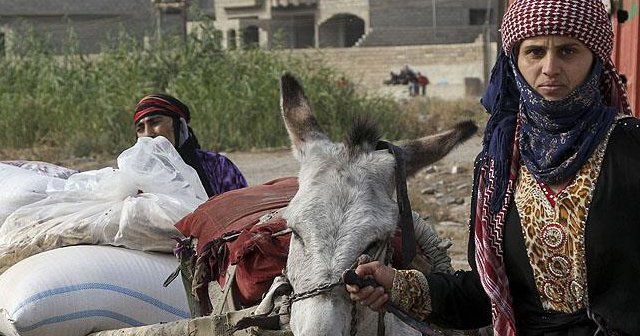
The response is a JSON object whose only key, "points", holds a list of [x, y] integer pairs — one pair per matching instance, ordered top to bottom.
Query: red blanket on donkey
{"points": [[225, 226], [227, 235]]}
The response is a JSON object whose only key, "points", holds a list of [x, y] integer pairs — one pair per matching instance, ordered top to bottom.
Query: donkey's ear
{"points": [[297, 114], [427, 150]]}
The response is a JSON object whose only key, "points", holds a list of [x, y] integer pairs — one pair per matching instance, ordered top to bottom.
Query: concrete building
{"points": [[93, 21], [268, 23], [347, 23], [445, 39]]}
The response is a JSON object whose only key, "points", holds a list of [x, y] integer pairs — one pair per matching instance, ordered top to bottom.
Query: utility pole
{"points": [[156, 4], [434, 16], [185, 18], [486, 43]]}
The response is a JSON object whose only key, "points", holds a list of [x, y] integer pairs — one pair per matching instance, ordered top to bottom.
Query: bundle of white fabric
{"points": [[135, 205], [53, 289]]}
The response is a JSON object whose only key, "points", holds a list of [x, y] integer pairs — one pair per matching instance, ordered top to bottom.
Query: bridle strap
{"points": [[405, 217], [327, 287]]}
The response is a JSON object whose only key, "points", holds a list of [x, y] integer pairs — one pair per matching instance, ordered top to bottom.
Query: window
{"points": [[477, 16], [251, 37], [232, 44], [2, 45]]}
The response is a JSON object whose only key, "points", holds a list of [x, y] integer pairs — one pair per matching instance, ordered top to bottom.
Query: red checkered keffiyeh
{"points": [[586, 21]]}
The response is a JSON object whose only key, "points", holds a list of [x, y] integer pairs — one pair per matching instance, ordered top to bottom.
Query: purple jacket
{"points": [[223, 174]]}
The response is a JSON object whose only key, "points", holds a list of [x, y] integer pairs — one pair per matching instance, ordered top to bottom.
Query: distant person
{"points": [[402, 76], [394, 79], [412, 80], [423, 81], [342, 83], [161, 114]]}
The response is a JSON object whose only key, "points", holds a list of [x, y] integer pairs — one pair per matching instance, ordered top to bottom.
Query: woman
{"points": [[161, 114], [554, 225]]}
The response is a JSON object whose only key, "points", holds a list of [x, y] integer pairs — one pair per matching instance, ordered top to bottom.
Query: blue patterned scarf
{"points": [[501, 101], [557, 137]]}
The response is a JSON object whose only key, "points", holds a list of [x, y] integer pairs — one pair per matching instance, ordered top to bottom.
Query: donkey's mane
{"points": [[363, 136]]}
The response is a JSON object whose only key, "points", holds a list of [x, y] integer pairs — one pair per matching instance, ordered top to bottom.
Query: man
{"points": [[161, 114]]}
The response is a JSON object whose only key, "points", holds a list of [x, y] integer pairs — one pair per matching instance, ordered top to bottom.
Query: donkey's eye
{"points": [[296, 236], [371, 249]]}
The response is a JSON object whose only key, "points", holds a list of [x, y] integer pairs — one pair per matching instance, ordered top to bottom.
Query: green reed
{"points": [[83, 103]]}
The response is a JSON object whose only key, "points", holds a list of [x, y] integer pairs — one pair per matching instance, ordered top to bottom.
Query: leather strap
{"points": [[405, 218]]}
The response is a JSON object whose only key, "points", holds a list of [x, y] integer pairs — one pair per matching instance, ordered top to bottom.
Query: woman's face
{"points": [[554, 65], [155, 125]]}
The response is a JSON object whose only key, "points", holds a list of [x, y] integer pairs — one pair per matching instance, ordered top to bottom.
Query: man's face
{"points": [[155, 125]]}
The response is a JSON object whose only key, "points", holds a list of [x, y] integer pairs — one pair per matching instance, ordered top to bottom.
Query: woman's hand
{"points": [[374, 298]]}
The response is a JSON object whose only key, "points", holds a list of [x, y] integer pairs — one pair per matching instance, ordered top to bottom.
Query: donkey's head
{"points": [[344, 204]]}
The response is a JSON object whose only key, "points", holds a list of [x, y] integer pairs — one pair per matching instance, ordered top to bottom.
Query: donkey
{"points": [[345, 204]]}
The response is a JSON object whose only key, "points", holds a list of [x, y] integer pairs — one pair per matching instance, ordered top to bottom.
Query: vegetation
{"points": [[81, 105]]}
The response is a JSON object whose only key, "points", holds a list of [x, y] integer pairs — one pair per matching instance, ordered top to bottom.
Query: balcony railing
{"points": [[239, 3], [294, 3]]}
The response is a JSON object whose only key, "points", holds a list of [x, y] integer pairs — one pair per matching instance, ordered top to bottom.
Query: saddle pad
{"points": [[236, 209]]}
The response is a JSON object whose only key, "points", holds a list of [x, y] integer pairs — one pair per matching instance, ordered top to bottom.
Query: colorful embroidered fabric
{"points": [[554, 235], [410, 292]]}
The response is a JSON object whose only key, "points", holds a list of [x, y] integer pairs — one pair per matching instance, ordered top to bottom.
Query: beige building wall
{"points": [[327, 9], [232, 16], [455, 70]]}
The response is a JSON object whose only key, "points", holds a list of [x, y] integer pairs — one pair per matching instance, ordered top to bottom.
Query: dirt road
{"points": [[260, 167]]}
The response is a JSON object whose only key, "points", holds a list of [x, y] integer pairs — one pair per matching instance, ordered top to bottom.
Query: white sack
{"points": [[43, 168], [19, 187], [135, 206], [76, 290]]}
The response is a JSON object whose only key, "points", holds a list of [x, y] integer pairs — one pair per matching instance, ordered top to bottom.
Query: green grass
{"points": [[82, 105]]}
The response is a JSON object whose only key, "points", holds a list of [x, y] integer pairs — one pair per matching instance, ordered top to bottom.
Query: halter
{"points": [[405, 218], [405, 222], [381, 247], [327, 287], [423, 328]]}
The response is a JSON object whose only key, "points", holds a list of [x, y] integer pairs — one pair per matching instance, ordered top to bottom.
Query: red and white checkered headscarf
{"points": [[583, 20]]}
